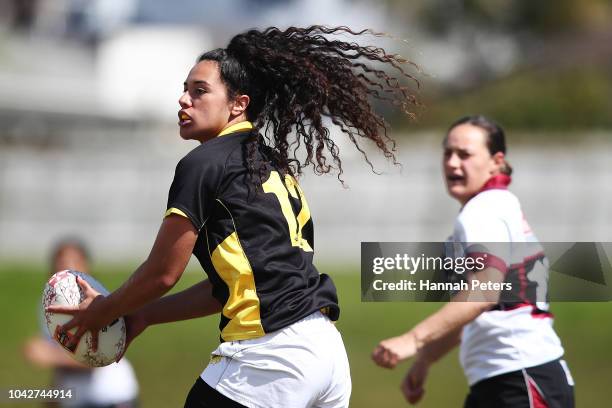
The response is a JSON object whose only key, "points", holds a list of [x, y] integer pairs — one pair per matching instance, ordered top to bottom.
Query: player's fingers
{"points": [[89, 291], [70, 310], [69, 325], [74, 340], [378, 355], [383, 358], [389, 358], [392, 359]]}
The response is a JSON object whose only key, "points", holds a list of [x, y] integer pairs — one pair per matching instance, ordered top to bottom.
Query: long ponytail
{"points": [[297, 77]]}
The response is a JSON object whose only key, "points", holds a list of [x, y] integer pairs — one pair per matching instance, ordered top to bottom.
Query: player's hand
{"points": [[89, 315], [134, 325], [37, 351], [390, 352], [413, 384]]}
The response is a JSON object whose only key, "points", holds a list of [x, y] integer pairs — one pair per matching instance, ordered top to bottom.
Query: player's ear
{"points": [[240, 104], [499, 161]]}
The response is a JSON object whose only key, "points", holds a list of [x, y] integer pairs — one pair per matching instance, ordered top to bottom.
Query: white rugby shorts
{"points": [[302, 365]]}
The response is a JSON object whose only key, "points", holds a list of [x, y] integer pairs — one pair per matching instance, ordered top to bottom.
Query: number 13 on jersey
{"points": [[281, 190]]}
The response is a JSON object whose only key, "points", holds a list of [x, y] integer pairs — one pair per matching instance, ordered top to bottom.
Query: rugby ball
{"points": [[62, 289]]}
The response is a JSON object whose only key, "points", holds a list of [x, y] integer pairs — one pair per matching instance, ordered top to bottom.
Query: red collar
{"points": [[497, 182]]}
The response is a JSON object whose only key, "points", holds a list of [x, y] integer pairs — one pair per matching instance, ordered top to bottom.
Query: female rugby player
{"points": [[236, 205], [509, 350]]}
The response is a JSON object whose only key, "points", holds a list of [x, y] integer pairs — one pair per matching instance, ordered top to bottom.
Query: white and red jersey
{"points": [[518, 332]]}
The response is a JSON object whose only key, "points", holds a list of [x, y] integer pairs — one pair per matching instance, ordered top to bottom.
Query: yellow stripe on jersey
{"points": [[244, 125], [175, 211], [304, 215], [295, 223], [242, 306]]}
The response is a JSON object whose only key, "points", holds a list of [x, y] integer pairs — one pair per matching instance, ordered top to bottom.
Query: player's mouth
{"points": [[184, 119], [454, 179]]}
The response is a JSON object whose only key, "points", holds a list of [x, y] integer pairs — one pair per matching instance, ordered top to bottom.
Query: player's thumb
{"points": [[86, 287]]}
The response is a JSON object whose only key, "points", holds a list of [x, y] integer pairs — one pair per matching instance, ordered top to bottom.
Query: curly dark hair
{"points": [[297, 77]]}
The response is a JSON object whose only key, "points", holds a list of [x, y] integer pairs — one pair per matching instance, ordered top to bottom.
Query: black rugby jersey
{"points": [[255, 246]]}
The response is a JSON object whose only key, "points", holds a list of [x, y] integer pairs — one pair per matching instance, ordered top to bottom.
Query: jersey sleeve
{"points": [[193, 189], [486, 237]]}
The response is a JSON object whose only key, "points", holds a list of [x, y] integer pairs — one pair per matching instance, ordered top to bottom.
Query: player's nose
{"points": [[185, 100], [452, 161]]}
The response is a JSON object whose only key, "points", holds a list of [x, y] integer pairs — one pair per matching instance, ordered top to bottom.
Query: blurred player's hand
{"points": [[390, 352], [413, 384]]}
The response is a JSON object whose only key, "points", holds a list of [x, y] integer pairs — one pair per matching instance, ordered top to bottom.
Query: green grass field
{"points": [[168, 358]]}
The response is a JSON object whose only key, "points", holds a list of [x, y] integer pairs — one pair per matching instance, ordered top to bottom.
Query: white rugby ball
{"points": [[62, 289]]}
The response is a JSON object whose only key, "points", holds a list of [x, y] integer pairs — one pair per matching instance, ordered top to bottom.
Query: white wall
{"points": [[114, 194]]}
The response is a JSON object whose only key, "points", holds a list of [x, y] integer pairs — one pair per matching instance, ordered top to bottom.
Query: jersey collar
{"points": [[236, 127], [497, 182]]}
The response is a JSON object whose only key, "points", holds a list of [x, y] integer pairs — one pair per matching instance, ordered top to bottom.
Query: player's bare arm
{"points": [[162, 269], [156, 276], [196, 301], [465, 307], [449, 318], [435, 350], [43, 353]]}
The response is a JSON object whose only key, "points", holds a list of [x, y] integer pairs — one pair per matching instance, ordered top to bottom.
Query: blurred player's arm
{"points": [[464, 308], [435, 350], [46, 354], [413, 384]]}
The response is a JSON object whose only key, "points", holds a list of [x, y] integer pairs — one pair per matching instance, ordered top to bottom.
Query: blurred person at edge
{"points": [[509, 351], [113, 386]]}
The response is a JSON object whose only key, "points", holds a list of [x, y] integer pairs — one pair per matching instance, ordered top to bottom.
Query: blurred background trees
{"points": [[531, 64]]}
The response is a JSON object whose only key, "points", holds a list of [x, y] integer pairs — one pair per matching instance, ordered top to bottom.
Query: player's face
{"points": [[205, 109], [467, 162], [70, 257]]}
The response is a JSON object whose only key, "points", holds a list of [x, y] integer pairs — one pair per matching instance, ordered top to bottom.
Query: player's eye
{"points": [[200, 91]]}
